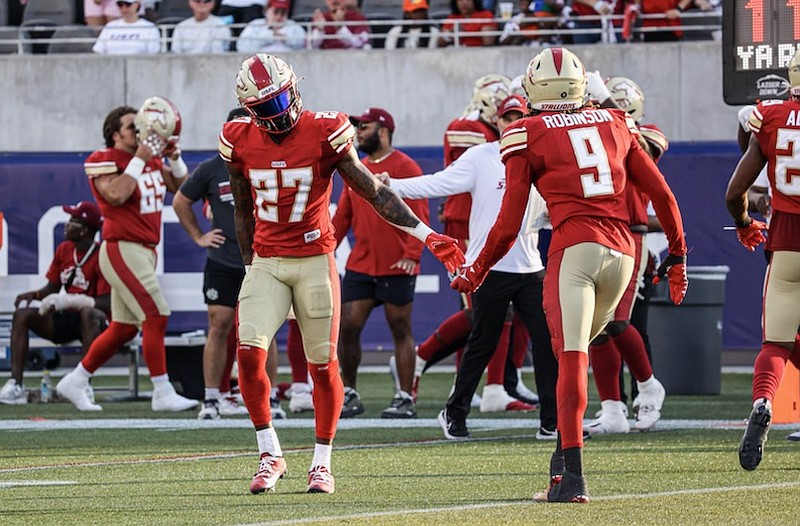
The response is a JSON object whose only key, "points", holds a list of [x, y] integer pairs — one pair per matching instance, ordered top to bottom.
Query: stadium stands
{"points": [[49, 12], [81, 40]]}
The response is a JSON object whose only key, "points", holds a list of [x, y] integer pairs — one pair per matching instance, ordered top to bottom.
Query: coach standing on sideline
{"points": [[382, 268]]}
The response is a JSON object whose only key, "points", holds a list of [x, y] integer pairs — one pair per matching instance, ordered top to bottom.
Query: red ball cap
{"points": [[513, 103], [375, 115], [86, 212]]}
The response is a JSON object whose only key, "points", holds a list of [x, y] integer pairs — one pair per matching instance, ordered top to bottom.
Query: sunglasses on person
{"points": [[202, 1], [120, 3]]}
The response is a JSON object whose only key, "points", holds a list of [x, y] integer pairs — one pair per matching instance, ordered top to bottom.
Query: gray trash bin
{"points": [[686, 340]]}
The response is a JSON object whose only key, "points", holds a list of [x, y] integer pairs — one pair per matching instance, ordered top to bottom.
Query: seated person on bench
{"points": [[79, 313]]}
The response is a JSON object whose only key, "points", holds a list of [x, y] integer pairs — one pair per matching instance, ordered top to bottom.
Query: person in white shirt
{"points": [[203, 33], [275, 33], [129, 35], [517, 278]]}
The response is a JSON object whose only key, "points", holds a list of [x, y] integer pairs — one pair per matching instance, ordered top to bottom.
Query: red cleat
{"points": [[269, 471], [320, 480]]}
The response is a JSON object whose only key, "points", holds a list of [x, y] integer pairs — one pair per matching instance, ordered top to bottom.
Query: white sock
{"points": [[81, 371], [160, 380], [647, 384], [212, 394], [268, 442], [322, 456]]}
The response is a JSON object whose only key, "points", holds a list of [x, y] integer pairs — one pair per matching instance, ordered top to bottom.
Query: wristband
{"points": [[679, 9], [135, 168], [179, 168], [744, 224], [421, 231]]}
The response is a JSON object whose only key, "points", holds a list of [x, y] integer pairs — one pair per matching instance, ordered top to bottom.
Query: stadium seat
{"points": [[305, 8], [173, 9], [393, 9], [54, 12], [3, 13], [170, 20], [378, 31], [9, 33], [35, 34], [86, 34], [394, 35]]}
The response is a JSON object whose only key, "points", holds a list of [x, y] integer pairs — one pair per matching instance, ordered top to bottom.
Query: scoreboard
{"points": [[759, 38]]}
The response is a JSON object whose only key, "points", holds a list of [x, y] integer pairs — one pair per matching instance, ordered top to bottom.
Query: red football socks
{"points": [[452, 329], [107, 344], [630, 345], [153, 351], [296, 354], [606, 363], [768, 370], [495, 372], [254, 384], [571, 391], [328, 396]]}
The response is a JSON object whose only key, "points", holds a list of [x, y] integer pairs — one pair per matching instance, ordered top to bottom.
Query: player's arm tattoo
{"points": [[381, 197], [243, 217]]}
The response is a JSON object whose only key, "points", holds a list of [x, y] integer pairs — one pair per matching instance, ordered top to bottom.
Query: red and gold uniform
{"points": [[776, 126], [462, 134], [291, 184], [353, 211], [131, 232]]}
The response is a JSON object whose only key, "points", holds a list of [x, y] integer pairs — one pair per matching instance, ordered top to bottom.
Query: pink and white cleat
{"points": [[269, 471], [320, 480]]}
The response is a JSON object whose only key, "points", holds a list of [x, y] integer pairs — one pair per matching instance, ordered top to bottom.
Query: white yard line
{"points": [[18, 483], [504, 504]]}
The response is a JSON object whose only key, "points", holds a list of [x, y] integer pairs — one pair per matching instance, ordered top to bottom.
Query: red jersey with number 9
{"points": [[577, 163], [290, 180], [139, 218]]}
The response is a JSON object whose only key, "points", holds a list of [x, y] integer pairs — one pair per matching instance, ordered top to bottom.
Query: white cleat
{"points": [[75, 388], [13, 393], [300, 398], [651, 398], [166, 399], [495, 399], [229, 407], [612, 421]]}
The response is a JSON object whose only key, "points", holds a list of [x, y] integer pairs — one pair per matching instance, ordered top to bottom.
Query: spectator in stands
{"points": [[586, 8], [672, 10], [242, 11], [98, 13], [481, 21], [517, 31], [202, 33], [275, 33], [129, 35], [353, 35], [411, 36], [129, 180], [382, 267], [222, 276], [78, 314]]}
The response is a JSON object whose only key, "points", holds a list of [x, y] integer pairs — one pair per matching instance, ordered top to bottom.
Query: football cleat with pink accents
{"points": [[270, 469]]}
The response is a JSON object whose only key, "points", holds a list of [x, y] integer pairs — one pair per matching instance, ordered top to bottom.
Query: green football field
{"points": [[126, 465]]}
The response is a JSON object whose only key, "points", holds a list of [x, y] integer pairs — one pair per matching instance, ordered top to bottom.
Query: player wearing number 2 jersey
{"points": [[775, 141], [580, 160], [281, 161], [129, 181]]}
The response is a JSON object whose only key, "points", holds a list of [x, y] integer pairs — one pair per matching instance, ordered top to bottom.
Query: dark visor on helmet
{"points": [[274, 106]]}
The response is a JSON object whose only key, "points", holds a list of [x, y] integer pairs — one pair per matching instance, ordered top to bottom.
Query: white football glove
{"points": [[602, 7], [596, 87], [59, 302]]}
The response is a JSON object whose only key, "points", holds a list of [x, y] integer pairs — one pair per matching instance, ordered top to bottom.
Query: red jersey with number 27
{"points": [[776, 125], [580, 162], [290, 180]]}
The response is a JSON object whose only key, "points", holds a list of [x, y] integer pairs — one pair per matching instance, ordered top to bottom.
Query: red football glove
{"points": [[750, 236], [446, 250], [674, 267], [468, 279]]}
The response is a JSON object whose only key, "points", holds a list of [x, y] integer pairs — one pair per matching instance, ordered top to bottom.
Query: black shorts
{"points": [[221, 284], [394, 290], [66, 326]]}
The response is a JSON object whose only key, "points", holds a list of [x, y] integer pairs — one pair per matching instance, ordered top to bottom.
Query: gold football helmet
{"points": [[794, 75], [555, 81], [267, 88], [488, 93], [628, 96], [160, 116]]}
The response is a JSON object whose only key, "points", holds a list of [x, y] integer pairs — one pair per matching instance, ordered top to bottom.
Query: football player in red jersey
{"points": [[775, 126], [580, 160], [281, 161], [129, 180], [622, 339]]}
